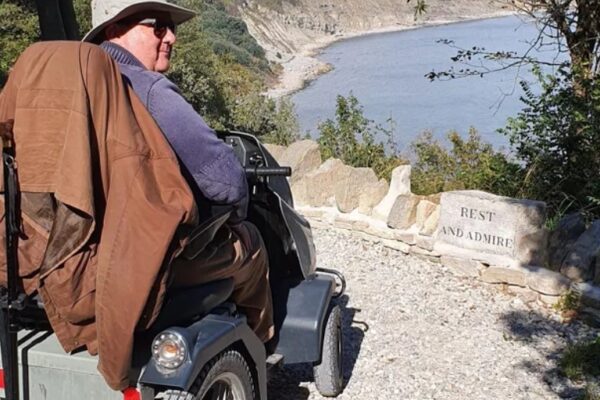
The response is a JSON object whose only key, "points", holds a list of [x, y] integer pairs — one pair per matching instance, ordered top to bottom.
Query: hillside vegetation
{"points": [[219, 67]]}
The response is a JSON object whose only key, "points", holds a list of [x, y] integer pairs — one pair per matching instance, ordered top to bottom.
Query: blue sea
{"points": [[386, 72]]}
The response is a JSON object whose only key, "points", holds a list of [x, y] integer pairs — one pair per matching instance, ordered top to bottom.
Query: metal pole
{"points": [[57, 20], [10, 356]]}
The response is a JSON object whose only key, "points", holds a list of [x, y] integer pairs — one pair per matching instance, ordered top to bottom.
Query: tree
{"points": [[574, 23], [571, 27], [556, 135]]}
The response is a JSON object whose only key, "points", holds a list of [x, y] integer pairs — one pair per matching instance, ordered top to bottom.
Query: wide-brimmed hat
{"points": [[106, 12]]}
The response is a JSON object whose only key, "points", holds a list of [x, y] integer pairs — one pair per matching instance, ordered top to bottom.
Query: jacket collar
{"points": [[120, 54]]}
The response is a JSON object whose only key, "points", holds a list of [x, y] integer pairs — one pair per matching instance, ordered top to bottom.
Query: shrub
{"points": [[19, 28], [557, 137], [351, 138], [467, 164], [581, 360]]}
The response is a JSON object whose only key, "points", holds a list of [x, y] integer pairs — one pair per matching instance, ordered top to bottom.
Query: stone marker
{"points": [[303, 156], [399, 185], [404, 212], [493, 229], [562, 239], [579, 263]]}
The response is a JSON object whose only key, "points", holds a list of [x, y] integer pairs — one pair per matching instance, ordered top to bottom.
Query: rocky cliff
{"points": [[291, 26], [292, 30]]}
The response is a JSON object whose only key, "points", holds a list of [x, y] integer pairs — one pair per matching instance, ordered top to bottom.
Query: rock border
{"points": [[331, 194]]}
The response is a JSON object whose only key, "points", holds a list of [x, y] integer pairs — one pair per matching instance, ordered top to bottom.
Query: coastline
{"points": [[301, 68]]}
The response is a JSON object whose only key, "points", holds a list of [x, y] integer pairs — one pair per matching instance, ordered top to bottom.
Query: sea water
{"points": [[386, 72]]}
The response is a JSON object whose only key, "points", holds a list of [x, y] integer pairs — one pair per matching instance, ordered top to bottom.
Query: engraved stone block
{"points": [[493, 229]]}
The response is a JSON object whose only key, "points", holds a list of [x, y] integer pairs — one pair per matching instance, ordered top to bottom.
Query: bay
{"points": [[386, 72]]}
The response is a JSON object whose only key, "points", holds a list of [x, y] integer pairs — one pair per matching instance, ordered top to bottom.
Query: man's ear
{"points": [[113, 31]]}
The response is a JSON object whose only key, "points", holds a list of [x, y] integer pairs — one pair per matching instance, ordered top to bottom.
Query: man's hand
{"points": [[242, 231]]}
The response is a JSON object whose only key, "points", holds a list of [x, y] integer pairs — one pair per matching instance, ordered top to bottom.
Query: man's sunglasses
{"points": [[160, 26]]}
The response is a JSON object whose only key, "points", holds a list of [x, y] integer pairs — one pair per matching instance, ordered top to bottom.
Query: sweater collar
{"points": [[120, 55]]}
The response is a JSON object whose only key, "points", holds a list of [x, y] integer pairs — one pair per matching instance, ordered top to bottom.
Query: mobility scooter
{"points": [[200, 347]]}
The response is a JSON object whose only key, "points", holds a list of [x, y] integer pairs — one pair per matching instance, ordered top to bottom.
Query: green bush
{"points": [[18, 29], [227, 34], [224, 86], [557, 136], [351, 138], [467, 164], [581, 360]]}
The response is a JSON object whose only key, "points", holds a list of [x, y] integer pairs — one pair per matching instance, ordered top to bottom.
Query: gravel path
{"points": [[413, 330]]}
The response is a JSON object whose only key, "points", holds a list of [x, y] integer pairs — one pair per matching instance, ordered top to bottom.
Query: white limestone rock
{"points": [[275, 150], [303, 156], [354, 185], [399, 185], [317, 188], [372, 196], [404, 212], [431, 223], [562, 239], [396, 245], [579, 263], [462, 266], [511, 276], [547, 282], [590, 294]]}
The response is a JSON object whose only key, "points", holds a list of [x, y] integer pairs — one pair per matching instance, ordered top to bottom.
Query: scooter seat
{"points": [[186, 305]]}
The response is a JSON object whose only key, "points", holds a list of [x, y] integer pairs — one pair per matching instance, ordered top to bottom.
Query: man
{"points": [[140, 35]]}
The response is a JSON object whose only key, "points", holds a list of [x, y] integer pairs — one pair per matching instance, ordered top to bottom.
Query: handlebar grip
{"points": [[268, 171]]}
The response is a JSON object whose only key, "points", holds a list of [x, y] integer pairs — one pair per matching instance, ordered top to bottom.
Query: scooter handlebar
{"points": [[255, 172]]}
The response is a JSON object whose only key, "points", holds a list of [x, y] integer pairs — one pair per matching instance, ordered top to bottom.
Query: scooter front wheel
{"points": [[328, 373], [225, 377]]}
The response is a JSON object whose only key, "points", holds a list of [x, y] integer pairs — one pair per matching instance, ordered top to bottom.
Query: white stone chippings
{"points": [[413, 330]]}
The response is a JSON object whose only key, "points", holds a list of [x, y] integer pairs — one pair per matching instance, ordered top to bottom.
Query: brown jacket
{"points": [[102, 199]]}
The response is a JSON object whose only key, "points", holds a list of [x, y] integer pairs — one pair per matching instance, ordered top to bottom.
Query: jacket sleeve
{"points": [[212, 163]]}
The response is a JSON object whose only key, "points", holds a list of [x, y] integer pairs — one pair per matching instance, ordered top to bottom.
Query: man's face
{"points": [[150, 39]]}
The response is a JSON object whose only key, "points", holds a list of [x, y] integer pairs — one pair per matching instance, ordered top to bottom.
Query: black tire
{"points": [[329, 372], [228, 373]]}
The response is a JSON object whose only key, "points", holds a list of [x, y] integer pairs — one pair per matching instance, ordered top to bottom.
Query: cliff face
{"points": [[293, 26]]}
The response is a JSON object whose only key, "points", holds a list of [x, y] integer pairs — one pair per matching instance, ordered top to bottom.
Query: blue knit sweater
{"points": [[206, 160]]}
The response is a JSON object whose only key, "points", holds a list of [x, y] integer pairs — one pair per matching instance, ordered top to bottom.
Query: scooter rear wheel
{"points": [[225, 377]]}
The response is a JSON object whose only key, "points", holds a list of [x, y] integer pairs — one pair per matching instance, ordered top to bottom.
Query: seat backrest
{"points": [[185, 305]]}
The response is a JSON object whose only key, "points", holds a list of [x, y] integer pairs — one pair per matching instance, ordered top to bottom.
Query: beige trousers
{"points": [[237, 253]]}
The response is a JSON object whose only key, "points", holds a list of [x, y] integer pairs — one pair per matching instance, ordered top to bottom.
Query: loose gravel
{"points": [[413, 330]]}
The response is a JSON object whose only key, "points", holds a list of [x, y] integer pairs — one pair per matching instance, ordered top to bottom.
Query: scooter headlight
{"points": [[169, 350]]}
